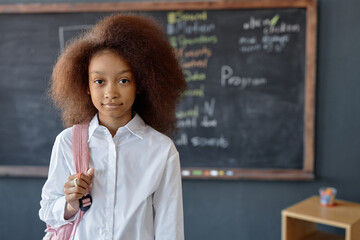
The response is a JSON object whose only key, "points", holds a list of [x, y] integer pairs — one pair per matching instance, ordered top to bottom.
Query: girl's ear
{"points": [[88, 91]]}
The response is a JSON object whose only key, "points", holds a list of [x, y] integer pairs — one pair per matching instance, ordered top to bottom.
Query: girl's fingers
{"points": [[90, 173], [72, 177], [87, 178], [84, 181], [80, 183], [75, 190], [73, 196]]}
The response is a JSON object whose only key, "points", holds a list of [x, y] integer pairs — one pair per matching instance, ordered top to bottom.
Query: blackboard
{"points": [[250, 68]]}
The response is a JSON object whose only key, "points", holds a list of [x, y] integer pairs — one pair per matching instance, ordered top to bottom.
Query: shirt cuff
{"points": [[59, 211]]}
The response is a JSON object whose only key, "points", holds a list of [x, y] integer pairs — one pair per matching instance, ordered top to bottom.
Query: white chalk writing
{"points": [[228, 79], [220, 142]]}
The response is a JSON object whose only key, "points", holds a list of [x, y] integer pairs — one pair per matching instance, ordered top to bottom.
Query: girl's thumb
{"points": [[90, 173]]}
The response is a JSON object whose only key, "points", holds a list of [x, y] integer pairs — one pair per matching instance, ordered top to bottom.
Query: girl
{"points": [[123, 77]]}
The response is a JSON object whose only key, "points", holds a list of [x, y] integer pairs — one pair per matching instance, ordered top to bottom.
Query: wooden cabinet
{"points": [[299, 222]]}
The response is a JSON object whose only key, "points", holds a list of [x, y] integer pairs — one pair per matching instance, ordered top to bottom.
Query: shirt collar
{"points": [[136, 126]]}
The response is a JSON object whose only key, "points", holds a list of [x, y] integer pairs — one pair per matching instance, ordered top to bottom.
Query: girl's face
{"points": [[112, 87]]}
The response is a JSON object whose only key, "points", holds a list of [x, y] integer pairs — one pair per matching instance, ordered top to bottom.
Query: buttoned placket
{"points": [[111, 187]]}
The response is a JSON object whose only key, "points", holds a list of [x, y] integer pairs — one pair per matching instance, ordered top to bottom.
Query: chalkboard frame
{"points": [[307, 173]]}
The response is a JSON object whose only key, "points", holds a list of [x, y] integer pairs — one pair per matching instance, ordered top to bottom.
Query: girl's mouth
{"points": [[111, 105]]}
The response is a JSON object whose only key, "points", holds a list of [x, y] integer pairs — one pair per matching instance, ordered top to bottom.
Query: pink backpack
{"points": [[80, 148]]}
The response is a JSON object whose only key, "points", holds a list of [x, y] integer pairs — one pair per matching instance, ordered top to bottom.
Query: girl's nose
{"points": [[111, 92]]}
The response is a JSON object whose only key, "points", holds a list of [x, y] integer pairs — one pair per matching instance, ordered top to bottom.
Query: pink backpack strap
{"points": [[80, 147]]}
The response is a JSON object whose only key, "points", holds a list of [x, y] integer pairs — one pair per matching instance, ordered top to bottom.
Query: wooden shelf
{"points": [[299, 221], [322, 236]]}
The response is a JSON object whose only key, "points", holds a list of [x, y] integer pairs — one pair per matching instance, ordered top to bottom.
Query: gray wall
{"points": [[252, 209]]}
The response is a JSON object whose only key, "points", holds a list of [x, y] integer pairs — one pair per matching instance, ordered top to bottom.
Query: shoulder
{"points": [[64, 137], [160, 140]]}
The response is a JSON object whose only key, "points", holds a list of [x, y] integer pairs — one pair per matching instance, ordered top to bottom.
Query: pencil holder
{"points": [[327, 196]]}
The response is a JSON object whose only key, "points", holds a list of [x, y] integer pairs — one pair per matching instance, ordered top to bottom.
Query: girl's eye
{"points": [[124, 80], [99, 81]]}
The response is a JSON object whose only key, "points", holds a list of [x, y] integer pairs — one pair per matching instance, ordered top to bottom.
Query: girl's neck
{"points": [[113, 124]]}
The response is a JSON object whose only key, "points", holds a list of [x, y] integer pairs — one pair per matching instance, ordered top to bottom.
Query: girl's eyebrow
{"points": [[120, 72]]}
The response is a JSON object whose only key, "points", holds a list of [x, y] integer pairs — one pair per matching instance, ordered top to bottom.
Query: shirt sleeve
{"points": [[52, 197], [168, 206]]}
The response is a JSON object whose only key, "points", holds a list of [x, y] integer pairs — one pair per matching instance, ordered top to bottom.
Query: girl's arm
{"points": [[53, 199], [167, 202]]}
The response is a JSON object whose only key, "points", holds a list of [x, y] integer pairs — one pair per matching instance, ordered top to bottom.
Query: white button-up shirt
{"points": [[136, 189]]}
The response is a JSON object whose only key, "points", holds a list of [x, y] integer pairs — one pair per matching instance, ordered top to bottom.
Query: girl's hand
{"points": [[74, 193]]}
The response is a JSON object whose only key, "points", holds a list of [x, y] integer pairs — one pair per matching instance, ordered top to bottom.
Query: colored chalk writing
{"points": [[230, 89]]}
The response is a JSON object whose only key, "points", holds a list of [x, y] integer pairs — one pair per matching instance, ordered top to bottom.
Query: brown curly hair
{"points": [[142, 43]]}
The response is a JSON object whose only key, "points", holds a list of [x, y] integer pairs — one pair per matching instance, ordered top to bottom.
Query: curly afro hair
{"points": [[142, 43]]}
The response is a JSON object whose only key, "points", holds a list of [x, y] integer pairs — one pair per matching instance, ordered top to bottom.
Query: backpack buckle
{"points": [[85, 202]]}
